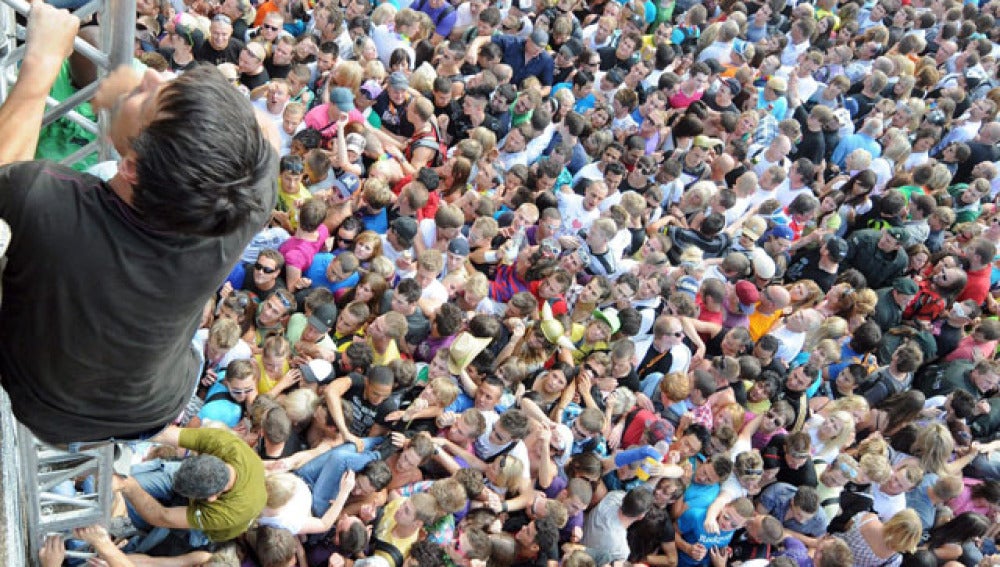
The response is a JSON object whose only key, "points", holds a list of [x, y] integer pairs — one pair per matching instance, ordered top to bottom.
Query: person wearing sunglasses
{"points": [[221, 46], [260, 279], [228, 400]]}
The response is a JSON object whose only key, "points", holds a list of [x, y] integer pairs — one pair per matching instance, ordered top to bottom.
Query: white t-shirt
{"points": [[575, 217], [486, 449], [294, 513]]}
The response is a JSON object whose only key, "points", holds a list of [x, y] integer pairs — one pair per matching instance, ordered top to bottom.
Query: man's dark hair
{"points": [[330, 48], [583, 78], [310, 138], [203, 165], [807, 169], [428, 178], [713, 224], [409, 290], [449, 319], [630, 321], [866, 338], [362, 356], [380, 375], [963, 404], [515, 422], [701, 432], [723, 466], [378, 474], [201, 477], [806, 499], [637, 502], [546, 534], [354, 539], [428, 554]]}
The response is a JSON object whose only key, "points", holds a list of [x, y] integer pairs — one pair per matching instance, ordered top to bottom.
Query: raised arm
{"points": [[49, 42]]}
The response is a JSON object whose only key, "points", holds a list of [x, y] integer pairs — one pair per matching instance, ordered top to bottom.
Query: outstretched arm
{"points": [[49, 42]]}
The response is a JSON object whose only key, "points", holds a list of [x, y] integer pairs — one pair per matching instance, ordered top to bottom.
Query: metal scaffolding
{"points": [[29, 470]]}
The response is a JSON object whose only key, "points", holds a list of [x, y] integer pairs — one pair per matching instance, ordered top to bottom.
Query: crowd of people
{"points": [[573, 283]]}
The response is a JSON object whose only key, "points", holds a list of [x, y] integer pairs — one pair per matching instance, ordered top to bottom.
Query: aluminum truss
{"points": [[30, 470]]}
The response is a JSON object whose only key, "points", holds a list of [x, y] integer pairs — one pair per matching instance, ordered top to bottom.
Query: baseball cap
{"points": [[539, 38], [572, 48], [257, 50], [615, 76], [399, 80], [777, 84], [733, 85], [371, 88], [342, 98], [355, 142], [707, 142], [347, 184], [754, 227], [405, 228], [781, 231], [901, 235], [458, 246], [837, 247], [763, 265], [688, 285], [906, 286], [748, 296], [324, 317], [609, 317], [317, 371], [660, 430]]}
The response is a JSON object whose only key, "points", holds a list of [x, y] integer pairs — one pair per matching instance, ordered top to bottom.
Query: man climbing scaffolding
{"points": [[106, 283]]}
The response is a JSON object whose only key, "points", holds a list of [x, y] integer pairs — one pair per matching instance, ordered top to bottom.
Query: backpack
{"points": [[433, 141]]}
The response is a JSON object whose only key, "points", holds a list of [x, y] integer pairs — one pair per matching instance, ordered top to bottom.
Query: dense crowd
{"points": [[593, 283]]}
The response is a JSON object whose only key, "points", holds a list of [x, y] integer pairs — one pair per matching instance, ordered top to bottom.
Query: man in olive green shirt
{"points": [[223, 486]]}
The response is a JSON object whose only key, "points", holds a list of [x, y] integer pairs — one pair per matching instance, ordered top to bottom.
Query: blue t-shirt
{"points": [[317, 273], [701, 495], [691, 526]]}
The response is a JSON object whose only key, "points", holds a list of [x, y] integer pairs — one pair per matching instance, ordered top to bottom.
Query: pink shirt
{"points": [[319, 119], [299, 253], [965, 349], [963, 502]]}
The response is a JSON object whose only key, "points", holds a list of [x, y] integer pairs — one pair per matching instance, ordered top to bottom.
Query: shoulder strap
{"points": [[501, 452], [390, 550]]}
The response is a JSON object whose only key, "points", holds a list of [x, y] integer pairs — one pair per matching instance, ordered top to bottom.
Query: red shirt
{"points": [[977, 287], [557, 303]]}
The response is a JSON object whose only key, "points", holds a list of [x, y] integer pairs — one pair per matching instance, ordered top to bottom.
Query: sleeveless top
{"points": [[863, 554]]}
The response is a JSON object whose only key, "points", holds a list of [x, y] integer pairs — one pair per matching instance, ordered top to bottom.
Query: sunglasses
{"points": [[223, 19], [270, 27], [295, 168], [347, 241], [266, 269], [284, 301], [238, 392]]}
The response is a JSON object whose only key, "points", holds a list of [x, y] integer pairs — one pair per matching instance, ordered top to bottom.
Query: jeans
{"points": [[983, 467], [323, 473], [156, 477]]}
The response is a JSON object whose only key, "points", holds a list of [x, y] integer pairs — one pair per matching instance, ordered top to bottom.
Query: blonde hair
{"points": [[384, 13], [349, 74], [422, 78], [382, 266], [834, 328], [224, 334], [444, 389], [300, 404], [850, 404], [846, 434], [933, 446], [875, 467], [509, 475], [280, 488], [902, 532]]}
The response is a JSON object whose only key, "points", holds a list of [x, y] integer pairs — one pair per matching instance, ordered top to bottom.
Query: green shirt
{"points": [[234, 510]]}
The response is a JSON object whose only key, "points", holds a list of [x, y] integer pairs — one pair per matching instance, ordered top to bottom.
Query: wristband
{"points": [[503, 507]]}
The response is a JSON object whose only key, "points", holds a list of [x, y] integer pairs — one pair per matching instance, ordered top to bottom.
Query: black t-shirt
{"points": [[168, 54], [231, 54], [276, 71], [253, 81], [393, 117], [805, 266], [99, 309], [364, 415], [774, 457]]}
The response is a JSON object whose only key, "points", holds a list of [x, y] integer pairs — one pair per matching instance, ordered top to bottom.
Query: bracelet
{"points": [[503, 507]]}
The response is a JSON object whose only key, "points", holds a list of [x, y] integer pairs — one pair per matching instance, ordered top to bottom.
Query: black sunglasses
{"points": [[270, 27], [267, 270]]}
